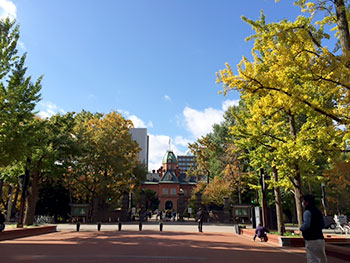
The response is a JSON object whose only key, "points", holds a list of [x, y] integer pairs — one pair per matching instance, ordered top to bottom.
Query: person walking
{"points": [[200, 218], [313, 223]]}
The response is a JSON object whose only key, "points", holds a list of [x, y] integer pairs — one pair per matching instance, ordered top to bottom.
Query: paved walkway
{"points": [[148, 246]]}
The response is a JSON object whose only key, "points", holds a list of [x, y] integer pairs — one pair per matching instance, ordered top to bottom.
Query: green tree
{"points": [[18, 97], [291, 113], [52, 149], [108, 164]]}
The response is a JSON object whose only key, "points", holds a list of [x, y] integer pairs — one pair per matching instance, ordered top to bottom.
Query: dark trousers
{"points": [[200, 225]]}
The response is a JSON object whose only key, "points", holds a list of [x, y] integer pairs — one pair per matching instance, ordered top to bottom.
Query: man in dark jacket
{"points": [[312, 226], [260, 232]]}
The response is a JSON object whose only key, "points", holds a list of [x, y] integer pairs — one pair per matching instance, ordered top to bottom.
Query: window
{"points": [[165, 191], [173, 191]]}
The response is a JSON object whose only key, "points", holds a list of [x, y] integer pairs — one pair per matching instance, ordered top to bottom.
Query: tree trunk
{"points": [[343, 26], [296, 180], [239, 185], [1, 186], [310, 188], [24, 192], [298, 196], [32, 200], [264, 200], [9, 204], [14, 209], [279, 213]]}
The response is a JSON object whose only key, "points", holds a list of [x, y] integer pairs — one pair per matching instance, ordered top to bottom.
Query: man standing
{"points": [[200, 217], [312, 226]]}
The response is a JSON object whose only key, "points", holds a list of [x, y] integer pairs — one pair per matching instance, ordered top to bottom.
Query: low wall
{"points": [[25, 232], [274, 239], [293, 241], [332, 249]]}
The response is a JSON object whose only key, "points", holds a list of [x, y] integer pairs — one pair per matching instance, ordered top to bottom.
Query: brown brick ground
{"points": [[144, 247]]}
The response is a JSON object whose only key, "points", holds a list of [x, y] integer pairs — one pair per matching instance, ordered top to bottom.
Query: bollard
{"points": [[78, 226], [99, 226], [119, 226], [140, 226], [160, 226]]}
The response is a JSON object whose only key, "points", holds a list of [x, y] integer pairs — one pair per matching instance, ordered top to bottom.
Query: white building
{"points": [[140, 136]]}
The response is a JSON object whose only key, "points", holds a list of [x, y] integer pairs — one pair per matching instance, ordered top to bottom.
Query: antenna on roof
{"points": [[169, 143]]}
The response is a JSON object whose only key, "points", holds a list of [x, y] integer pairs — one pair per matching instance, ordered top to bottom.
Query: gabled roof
{"points": [[169, 177]]}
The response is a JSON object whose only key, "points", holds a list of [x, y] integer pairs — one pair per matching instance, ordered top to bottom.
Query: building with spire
{"points": [[168, 181]]}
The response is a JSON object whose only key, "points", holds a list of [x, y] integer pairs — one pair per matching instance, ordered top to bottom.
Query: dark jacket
{"points": [[200, 215], [261, 231], [314, 232]]}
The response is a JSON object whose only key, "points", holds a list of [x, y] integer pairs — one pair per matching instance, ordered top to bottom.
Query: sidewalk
{"points": [[154, 226], [146, 247]]}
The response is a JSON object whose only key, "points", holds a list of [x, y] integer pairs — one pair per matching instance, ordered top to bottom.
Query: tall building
{"points": [[140, 136], [185, 162]]}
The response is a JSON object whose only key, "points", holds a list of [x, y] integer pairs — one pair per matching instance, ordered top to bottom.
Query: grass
{"points": [[14, 226], [286, 234]]}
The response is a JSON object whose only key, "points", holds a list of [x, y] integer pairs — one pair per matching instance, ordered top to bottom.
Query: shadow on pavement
{"points": [[145, 247]]}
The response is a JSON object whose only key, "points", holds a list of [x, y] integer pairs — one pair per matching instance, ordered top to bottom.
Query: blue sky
{"points": [[152, 60]]}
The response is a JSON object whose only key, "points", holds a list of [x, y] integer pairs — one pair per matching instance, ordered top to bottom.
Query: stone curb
{"points": [[26, 232]]}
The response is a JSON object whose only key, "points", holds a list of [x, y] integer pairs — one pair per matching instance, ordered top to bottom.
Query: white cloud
{"points": [[7, 9], [167, 98], [228, 103], [48, 109], [197, 122], [138, 123], [200, 123], [179, 140], [158, 145]]}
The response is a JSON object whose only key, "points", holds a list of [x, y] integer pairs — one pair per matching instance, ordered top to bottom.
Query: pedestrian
{"points": [[157, 214], [173, 215], [200, 218], [2, 221], [313, 223], [260, 232]]}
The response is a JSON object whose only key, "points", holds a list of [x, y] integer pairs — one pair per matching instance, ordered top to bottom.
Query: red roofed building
{"points": [[168, 181]]}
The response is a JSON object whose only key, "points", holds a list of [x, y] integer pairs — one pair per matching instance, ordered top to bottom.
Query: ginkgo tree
{"points": [[293, 93]]}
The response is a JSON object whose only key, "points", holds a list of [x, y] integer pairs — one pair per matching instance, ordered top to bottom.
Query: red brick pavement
{"points": [[144, 247]]}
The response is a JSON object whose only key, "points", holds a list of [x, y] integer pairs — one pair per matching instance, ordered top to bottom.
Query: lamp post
{"points": [[181, 205]]}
